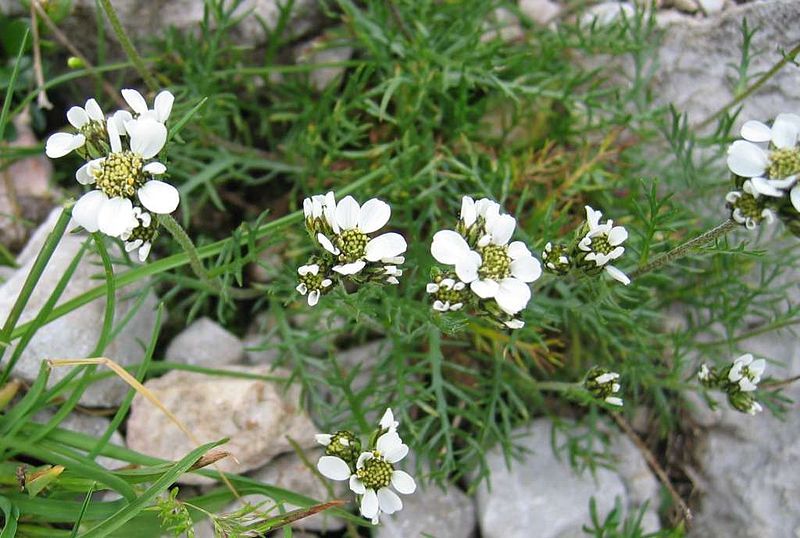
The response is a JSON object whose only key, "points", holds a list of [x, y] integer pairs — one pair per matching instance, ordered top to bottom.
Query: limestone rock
{"points": [[541, 11], [323, 50], [75, 334], [205, 343], [256, 415], [544, 493], [431, 512]]}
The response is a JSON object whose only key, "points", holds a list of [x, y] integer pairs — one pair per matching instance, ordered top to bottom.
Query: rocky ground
{"points": [[745, 480]]}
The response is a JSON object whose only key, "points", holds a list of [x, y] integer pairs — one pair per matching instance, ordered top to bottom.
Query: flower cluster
{"points": [[120, 151], [766, 164], [595, 246], [348, 251], [488, 273], [738, 380], [603, 385], [371, 473]]}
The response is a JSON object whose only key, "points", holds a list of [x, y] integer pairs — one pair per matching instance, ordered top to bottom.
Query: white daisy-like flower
{"points": [[162, 105], [85, 119], [751, 156], [123, 174], [747, 209], [351, 225], [140, 236], [603, 243], [495, 269], [312, 282], [448, 294], [747, 372], [374, 476]]}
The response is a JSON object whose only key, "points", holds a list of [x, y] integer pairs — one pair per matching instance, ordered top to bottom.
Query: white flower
{"points": [[162, 105], [61, 144], [751, 157], [121, 175], [747, 209], [350, 226], [140, 235], [603, 242], [495, 269], [312, 282], [448, 294], [747, 372], [603, 385], [754, 408], [373, 475]]}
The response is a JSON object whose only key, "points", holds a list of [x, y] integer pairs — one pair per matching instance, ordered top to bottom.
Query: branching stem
{"points": [[127, 45]]}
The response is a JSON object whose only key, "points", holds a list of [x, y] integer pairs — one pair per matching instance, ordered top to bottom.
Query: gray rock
{"points": [[711, 7], [541, 11], [605, 13], [147, 18], [323, 50], [695, 59], [75, 334], [262, 341], [205, 343], [256, 415], [91, 425], [747, 482], [544, 493], [431, 511]]}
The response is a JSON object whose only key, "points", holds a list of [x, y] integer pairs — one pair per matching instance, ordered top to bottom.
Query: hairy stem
{"points": [[127, 45], [180, 235], [686, 248]]}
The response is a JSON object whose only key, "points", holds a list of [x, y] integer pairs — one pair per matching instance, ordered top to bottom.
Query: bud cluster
{"points": [[738, 380], [603, 385]]}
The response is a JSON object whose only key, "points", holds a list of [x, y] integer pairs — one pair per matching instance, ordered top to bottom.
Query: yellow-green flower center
{"points": [[94, 130], [784, 163], [120, 174], [749, 206], [144, 233], [353, 244], [600, 244], [496, 263], [312, 281], [344, 445], [376, 473]]}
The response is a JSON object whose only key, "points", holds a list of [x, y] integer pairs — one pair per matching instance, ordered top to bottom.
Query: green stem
{"points": [[127, 45], [753, 87], [180, 235], [686, 248]]}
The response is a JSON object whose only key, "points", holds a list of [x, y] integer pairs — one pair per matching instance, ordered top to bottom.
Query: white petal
{"points": [[135, 100], [163, 105], [94, 111], [77, 117], [119, 119], [114, 131], [755, 131], [784, 132], [147, 137], [60, 144], [746, 159], [155, 168], [84, 174], [762, 186], [794, 196], [159, 197], [87, 208], [468, 212], [347, 213], [115, 216], [374, 216], [593, 217], [501, 228], [617, 235], [326, 244], [133, 245], [385, 246], [449, 247], [518, 249], [144, 251], [467, 267], [350, 268], [526, 269], [618, 275], [432, 287], [301, 288], [485, 289], [513, 295], [313, 298], [439, 306], [515, 324], [757, 367], [746, 385], [614, 400], [387, 420], [323, 438], [388, 442], [396, 454], [363, 458], [333, 468], [403, 482], [357, 486], [388, 501], [369, 504]]}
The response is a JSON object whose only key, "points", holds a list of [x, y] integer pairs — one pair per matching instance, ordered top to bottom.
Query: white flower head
{"points": [[88, 120], [747, 208], [140, 234], [347, 235], [602, 244], [556, 259], [491, 266], [313, 282], [449, 294], [746, 372], [603, 385]]}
